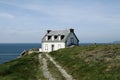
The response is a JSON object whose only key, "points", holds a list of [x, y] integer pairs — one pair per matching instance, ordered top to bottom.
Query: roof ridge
{"points": [[59, 30]]}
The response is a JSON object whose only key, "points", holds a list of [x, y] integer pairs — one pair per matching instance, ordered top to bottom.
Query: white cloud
{"points": [[71, 13], [6, 15], [95, 19]]}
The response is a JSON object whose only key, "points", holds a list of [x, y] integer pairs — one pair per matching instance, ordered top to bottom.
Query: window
{"points": [[49, 37], [55, 37], [62, 37], [72, 40], [59, 46], [46, 47]]}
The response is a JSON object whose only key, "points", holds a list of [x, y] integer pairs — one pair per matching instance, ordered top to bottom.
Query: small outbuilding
{"points": [[57, 39]]}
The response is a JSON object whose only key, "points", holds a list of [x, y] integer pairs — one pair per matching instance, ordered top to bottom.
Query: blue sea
{"points": [[12, 51]]}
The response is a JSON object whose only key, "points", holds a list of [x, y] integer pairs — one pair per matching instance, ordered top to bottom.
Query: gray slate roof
{"points": [[66, 33]]}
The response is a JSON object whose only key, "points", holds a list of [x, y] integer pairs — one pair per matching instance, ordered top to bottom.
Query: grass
{"points": [[93, 62], [25, 68]]}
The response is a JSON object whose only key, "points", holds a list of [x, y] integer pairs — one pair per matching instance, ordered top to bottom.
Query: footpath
{"points": [[47, 74]]}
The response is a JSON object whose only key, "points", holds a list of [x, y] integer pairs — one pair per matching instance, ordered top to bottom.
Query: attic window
{"points": [[55, 36], [49, 37], [62, 37]]}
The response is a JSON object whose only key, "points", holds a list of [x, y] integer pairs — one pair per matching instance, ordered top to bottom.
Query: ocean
{"points": [[10, 51]]}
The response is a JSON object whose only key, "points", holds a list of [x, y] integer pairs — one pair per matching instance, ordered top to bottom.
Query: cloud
{"points": [[94, 12], [74, 14], [6, 15], [89, 19]]}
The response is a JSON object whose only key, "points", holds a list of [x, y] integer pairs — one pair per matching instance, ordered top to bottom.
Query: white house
{"points": [[54, 40]]}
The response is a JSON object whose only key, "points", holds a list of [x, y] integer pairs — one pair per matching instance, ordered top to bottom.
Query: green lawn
{"points": [[94, 62]]}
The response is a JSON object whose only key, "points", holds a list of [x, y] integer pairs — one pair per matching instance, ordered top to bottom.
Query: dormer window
{"points": [[49, 37], [55, 37], [62, 37]]}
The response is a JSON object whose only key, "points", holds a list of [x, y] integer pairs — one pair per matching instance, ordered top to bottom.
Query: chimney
{"points": [[71, 30], [48, 31]]}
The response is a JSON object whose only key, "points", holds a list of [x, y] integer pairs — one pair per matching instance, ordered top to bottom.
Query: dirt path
{"points": [[45, 70], [63, 72]]}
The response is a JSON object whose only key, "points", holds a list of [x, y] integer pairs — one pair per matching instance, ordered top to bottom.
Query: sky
{"points": [[26, 21]]}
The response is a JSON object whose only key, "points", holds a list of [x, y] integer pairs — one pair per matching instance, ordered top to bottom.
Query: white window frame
{"points": [[59, 46]]}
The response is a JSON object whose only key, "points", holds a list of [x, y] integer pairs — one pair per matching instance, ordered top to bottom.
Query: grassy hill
{"points": [[94, 62], [25, 68]]}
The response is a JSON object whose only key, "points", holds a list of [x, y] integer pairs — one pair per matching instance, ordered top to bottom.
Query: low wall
{"points": [[27, 52]]}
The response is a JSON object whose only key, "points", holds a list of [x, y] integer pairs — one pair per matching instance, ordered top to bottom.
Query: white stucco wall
{"points": [[69, 40], [47, 46]]}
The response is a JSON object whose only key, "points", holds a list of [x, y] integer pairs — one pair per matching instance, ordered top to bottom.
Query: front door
{"points": [[52, 47]]}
